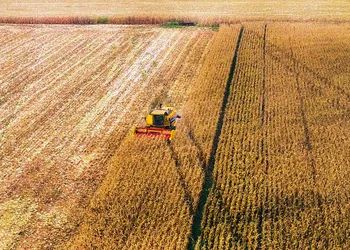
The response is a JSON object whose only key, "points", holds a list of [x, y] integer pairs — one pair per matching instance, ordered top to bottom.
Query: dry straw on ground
{"points": [[71, 175]]}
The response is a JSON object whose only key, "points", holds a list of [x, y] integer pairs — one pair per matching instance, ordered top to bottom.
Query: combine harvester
{"points": [[160, 122]]}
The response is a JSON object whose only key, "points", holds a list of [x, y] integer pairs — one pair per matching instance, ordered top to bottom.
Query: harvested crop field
{"points": [[68, 97], [260, 159]]}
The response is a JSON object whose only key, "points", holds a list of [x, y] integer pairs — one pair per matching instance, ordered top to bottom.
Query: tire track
{"points": [[305, 124], [308, 145], [187, 193], [196, 229]]}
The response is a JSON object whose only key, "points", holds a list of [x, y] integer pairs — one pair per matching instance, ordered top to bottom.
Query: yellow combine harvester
{"points": [[160, 122]]}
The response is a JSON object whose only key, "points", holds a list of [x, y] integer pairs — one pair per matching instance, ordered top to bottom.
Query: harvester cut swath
{"points": [[160, 122]]}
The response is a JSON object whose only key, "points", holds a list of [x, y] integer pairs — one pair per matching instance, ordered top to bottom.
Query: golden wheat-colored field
{"points": [[203, 9], [260, 159], [280, 179]]}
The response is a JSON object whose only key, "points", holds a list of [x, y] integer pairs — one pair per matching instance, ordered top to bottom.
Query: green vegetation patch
{"points": [[102, 20], [178, 24]]}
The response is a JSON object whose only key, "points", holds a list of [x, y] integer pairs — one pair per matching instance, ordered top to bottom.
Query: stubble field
{"points": [[69, 96], [260, 159]]}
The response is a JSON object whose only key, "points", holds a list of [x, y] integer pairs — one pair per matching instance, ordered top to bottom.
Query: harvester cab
{"points": [[160, 122]]}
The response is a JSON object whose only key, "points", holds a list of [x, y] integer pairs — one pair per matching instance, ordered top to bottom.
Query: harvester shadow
{"points": [[200, 152], [202, 161], [187, 193]]}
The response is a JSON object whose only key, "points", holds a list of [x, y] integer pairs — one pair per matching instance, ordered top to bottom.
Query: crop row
{"points": [[279, 177]]}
